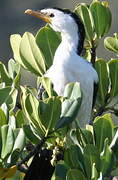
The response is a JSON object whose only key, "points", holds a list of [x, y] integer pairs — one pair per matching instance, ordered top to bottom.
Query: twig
{"points": [[93, 54], [33, 152]]}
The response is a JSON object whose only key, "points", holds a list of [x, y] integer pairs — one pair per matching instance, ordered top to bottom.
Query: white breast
{"points": [[69, 67]]}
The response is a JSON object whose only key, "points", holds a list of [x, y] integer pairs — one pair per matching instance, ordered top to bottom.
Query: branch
{"points": [[93, 53], [36, 149]]}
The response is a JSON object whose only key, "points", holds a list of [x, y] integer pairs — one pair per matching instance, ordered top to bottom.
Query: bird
{"points": [[68, 64]]}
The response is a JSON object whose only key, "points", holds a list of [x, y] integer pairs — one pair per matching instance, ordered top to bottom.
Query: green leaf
{"points": [[102, 18], [87, 19], [15, 41], [48, 41], [111, 43], [31, 56], [101, 68], [14, 71], [113, 73], [4, 76], [46, 82], [72, 91], [8, 95], [113, 102], [31, 105], [70, 107], [50, 111], [69, 112], [43, 114], [3, 118], [20, 119], [103, 128], [29, 134], [81, 136], [7, 140], [19, 141], [114, 143], [91, 156], [14, 157], [73, 157], [106, 159], [60, 171], [94, 173], [74, 174]]}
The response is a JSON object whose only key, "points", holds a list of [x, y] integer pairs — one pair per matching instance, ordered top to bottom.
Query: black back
{"points": [[81, 29]]}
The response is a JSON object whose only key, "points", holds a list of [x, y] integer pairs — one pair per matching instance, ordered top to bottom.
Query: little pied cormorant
{"points": [[68, 66]]}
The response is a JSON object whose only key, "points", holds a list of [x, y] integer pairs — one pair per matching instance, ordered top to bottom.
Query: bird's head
{"points": [[60, 20], [64, 21]]}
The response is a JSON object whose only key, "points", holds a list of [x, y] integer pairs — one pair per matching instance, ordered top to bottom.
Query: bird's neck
{"points": [[70, 41], [67, 48]]}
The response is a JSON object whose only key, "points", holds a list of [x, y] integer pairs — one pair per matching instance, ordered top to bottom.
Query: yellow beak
{"points": [[39, 14]]}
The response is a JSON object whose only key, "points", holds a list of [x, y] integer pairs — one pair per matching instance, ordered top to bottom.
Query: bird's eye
{"points": [[51, 15]]}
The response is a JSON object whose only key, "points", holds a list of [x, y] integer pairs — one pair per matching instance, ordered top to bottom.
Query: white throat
{"points": [[68, 45]]}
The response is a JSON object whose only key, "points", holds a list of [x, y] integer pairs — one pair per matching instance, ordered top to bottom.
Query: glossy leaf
{"points": [[102, 18], [87, 19], [15, 41], [48, 41], [111, 43], [31, 55], [101, 68], [14, 71], [113, 72], [4, 76], [46, 82], [72, 91], [8, 95], [113, 103], [31, 105], [70, 106], [50, 112], [69, 112], [43, 114], [3, 118], [20, 119], [103, 128], [29, 134], [7, 140], [19, 141], [114, 143], [91, 156], [73, 157], [106, 159], [60, 171], [94, 172], [74, 174]]}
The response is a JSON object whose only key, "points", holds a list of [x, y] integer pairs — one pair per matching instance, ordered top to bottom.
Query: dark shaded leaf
{"points": [[101, 68], [113, 72], [103, 128], [73, 157], [91, 157], [106, 159], [74, 174]]}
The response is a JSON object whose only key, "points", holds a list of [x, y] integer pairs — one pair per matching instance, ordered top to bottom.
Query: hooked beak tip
{"points": [[28, 11], [38, 14]]}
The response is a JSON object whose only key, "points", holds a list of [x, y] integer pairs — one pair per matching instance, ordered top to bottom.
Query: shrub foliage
{"points": [[86, 154]]}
